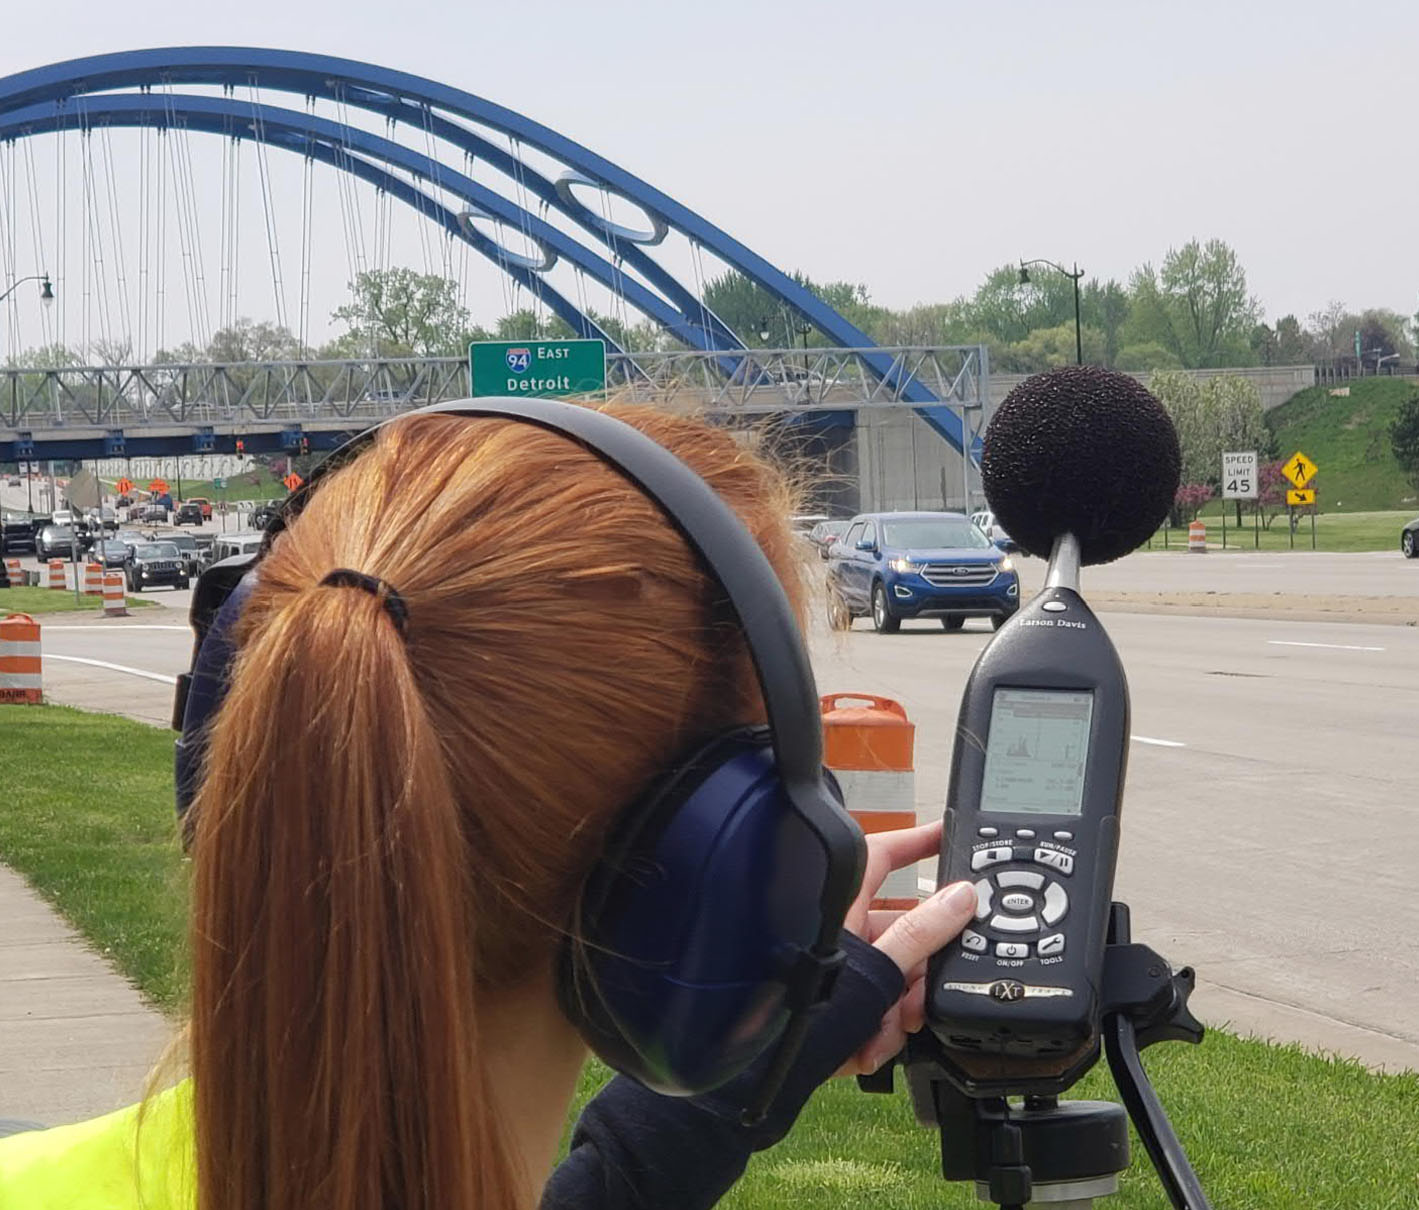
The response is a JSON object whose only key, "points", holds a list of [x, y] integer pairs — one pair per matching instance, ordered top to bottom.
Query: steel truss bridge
{"points": [[478, 175], [275, 406]]}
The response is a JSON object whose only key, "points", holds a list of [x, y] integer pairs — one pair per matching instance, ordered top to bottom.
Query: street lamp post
{"points": [[1074, 277], [46, 290]]}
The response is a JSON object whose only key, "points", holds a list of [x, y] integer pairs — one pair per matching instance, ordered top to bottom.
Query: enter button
{"points": [[1016, 902]]}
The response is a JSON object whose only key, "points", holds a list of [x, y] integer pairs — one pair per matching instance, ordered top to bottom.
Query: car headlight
{"points": [[1006, 564], [904, 565]]}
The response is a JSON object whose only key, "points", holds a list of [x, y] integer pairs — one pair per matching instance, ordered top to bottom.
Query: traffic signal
{"points": [[305, 445], [240, 446]]}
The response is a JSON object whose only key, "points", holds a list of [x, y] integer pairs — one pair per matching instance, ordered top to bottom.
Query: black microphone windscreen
{"points": [[1081, 450]]}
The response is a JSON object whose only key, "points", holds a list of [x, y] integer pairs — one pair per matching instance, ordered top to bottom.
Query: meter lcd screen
{"points": [[1036, 751]]}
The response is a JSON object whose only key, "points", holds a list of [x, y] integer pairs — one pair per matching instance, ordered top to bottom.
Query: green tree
{"points": [[1196, 306], [398, 312], [762, 321], [1290, 342], [1046, 348], [1146, 356], [1404, 439]]}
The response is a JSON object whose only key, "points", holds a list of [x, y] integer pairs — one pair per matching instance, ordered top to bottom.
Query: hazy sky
{"points": [[913, 146]]}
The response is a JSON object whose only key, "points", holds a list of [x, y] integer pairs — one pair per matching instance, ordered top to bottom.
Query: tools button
{"points": [[982, 858], [1062, 862], [1024, 878], [983, 893], [1017, 901], [1056, 903], [1015, 924], [973, 941], [1051, 945], [1011, 949]]}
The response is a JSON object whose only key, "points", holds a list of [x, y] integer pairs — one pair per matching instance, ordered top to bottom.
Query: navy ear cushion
{"points": [[211, 673], [709, 887]]}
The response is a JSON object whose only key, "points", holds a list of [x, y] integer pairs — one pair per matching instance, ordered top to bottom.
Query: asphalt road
{"points": [[1269, 831]]}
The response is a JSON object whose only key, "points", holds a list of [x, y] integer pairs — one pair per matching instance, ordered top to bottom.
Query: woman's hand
{"points": [[909, 937]]}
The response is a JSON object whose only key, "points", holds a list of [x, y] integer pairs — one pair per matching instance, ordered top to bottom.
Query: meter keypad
{"points": [[1019, 903]]}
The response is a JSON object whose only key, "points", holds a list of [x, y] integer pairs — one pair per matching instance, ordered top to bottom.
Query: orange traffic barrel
{"points": [[1197, 537], [56, 573], [14, 574], [93, 579], [115, 605], [20, 660], [868, 745]]}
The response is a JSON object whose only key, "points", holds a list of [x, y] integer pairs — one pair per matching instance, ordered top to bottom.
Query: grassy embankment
{"points": [[1363, 495], [51, 600], [1268, 1127]]}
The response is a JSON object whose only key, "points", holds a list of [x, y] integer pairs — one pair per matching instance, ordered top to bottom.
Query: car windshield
{"points": [[831, 529], [59, 531], [921, 533], [182, 541], [115, 549], [157, 550]]}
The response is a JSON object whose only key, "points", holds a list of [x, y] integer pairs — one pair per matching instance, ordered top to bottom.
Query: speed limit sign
{"points": [[1239, 476]]}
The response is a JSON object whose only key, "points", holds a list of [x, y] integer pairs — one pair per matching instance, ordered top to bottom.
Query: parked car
{"points": [[203, 503], [189, 512], [263, 514], [985, 521], [18, 532], [825, 533], [1409, 539], [55, 542], [226, 546], [189, 549], [110, 552], [155, 563], [891, 566]]}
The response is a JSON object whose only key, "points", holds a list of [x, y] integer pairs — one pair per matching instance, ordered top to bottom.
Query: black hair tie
{"points": [[394, 605]]}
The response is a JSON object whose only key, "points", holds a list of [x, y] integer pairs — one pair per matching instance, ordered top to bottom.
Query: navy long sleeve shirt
{"points": [[634, 1149]]}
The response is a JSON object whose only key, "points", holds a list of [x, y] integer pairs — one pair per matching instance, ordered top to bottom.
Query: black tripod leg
{"points": [[1149, 1119]]}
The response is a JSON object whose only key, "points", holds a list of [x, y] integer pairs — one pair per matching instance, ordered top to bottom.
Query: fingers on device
{"points": [[1032, 820], [710, 926]]}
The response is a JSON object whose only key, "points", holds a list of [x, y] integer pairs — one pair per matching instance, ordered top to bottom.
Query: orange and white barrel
{"points": [[1197, 537], [14, 574], [56, 574], [93, 579], [115, 604], [20, 680], [869, 746]]}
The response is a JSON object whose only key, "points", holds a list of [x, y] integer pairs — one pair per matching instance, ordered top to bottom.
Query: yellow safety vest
{"points": [[139, 1158]]}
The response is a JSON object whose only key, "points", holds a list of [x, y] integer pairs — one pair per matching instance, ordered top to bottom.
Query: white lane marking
{"points": [[100, 628], [1329, 646], [78, 659], [1157, 743]]}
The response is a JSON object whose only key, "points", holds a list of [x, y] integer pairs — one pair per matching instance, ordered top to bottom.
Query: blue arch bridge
{"points": [[557, 223]]}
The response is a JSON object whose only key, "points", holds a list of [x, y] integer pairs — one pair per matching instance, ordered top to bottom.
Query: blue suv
{"points": [[891, 566]]}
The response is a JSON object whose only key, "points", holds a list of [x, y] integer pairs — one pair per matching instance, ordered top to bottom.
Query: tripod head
{"points": [[1064, 1155]]}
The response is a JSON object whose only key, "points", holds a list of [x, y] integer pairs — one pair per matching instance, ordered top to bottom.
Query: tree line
{"points": [[1192, 310]]}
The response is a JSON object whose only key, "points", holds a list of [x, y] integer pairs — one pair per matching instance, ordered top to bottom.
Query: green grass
{"points": [[1347, 437], [255, 484], [1335, 531], [51, 600], [88, 820], [1268, 1128]]}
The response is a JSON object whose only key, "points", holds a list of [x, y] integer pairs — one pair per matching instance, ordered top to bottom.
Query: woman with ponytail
{"points": [[475, 643]]}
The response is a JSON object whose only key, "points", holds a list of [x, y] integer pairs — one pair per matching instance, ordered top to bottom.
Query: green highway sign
{"points": [[536, 367], [219, 483]]}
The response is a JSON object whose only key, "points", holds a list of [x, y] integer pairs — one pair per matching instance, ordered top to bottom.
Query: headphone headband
{"points": [[706, 522]]}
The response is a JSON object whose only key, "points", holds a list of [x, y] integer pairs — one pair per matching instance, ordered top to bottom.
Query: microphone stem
{"points": [[1064, 563]]}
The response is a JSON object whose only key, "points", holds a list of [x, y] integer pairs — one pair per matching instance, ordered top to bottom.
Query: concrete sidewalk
{"points": [[76, 1038]]}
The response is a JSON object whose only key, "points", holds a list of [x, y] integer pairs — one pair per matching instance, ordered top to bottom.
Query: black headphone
{"points": [[710, 926]]}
